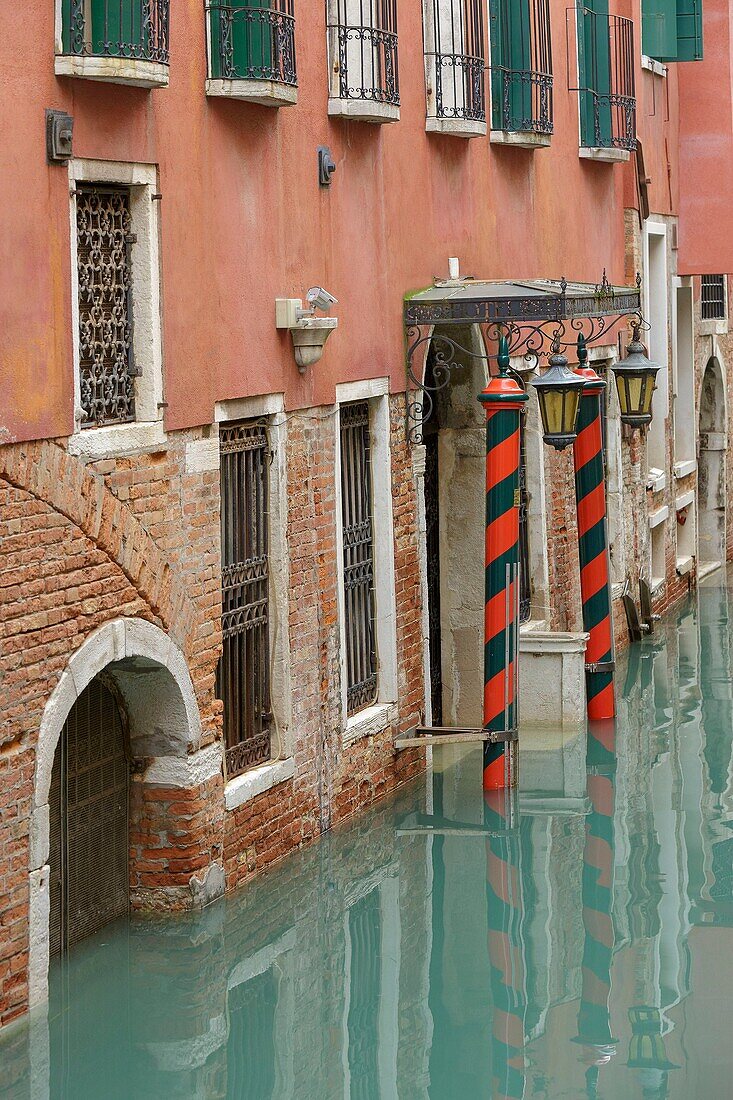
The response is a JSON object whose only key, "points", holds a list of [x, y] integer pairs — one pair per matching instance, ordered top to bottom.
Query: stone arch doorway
{"points": [[712, 446], [132, 681], [89, 864]]}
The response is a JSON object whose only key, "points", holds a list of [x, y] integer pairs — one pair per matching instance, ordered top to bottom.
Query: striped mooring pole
{"points": [[503, 401], [595, 584], [505, 908], [594, 1024]]}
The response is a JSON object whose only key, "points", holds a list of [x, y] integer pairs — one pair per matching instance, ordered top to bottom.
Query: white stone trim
{"points": [[450, 26], [653, 66], [113, 70], [267, 93], [363, 110], [456, 127], [520, 139], [610, 156], [374, 390], [248, 408], [147, 431], [202, 455], [684, 469], [685, 500], [658, 517], [684, 565], [109, 644], [367, 722], [187, 771], [256, 781], [261, 960]]}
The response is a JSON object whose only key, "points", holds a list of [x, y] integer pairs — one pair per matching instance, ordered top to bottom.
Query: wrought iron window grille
{"points": [[131, 29], [363, 37], [252, 41], [456, 58], [521, 70], [606, 81], [104, 274], [712, 298], [533, 325], [358, 556], [243, 675]]}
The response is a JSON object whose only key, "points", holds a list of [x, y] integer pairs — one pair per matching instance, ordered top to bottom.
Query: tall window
{"points": [[671, 30], [252, 40], [363, 50], [455, 56], [521, 66], [606, 78], [713, 298], [106, 362], [358, 545], [243, 680]]}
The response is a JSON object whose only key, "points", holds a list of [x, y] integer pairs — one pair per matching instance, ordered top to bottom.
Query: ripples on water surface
{"points": [[435, 949]]}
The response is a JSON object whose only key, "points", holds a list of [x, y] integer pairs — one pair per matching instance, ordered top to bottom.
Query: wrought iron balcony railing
{"points": [[133, 30], [252, 41], [363, 47], [455, 54], [521, 69], [606, 80]]}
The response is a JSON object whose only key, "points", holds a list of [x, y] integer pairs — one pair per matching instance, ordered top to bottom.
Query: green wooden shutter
{"points": [[117, 26], [659, 28], [672, 29], [689, 30], [251, 41], [511, 64], [594, 72]]}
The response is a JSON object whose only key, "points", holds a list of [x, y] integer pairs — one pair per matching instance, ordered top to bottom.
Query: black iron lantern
{"points": [[635, 383], [558, 392]]}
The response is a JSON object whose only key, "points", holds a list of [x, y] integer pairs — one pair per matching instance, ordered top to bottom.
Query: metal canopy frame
{"points": [[535, 316]]}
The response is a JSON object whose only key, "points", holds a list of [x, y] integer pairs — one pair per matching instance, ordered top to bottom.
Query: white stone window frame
{"points": [[133, 71], [356, 110], [455, 127], [656, 303], [683, 377], [271, 408], [147, 430], [534, 465], [657, 536], [375, 718], [387, 881]]}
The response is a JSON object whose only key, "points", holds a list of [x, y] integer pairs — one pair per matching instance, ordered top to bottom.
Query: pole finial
{"points": [[582, 350], [503, 356]]}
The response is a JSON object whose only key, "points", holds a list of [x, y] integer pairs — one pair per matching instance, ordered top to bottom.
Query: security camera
{"points": [[319, 298]]}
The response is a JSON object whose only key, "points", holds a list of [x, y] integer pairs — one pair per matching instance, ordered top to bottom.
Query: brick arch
{"points": [[49, 473]]}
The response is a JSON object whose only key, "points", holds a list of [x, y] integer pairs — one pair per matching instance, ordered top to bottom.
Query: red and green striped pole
{"points": [[503, 401], [595, 583], [506, 945]]}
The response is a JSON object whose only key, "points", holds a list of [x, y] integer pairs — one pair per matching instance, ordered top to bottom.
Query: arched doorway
{"points": [[712, 445], [88, 816]]}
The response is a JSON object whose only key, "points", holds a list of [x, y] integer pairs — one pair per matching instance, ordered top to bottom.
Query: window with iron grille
{"points": [[130, 29], [252, 40], [363, 50], [455, 55], [521, 66], [606, 78], [104, 271], [713, 298], [358, 553], [243, 678]]}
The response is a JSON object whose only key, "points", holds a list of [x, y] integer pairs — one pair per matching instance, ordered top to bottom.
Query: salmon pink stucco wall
{"points": [[706, 149], [243, 220]]}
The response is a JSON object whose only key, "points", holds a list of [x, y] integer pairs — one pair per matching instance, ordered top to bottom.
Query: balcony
{"points": [[118, 41], [251, 52], [455, 62], [363, 67], [521, 73], [606, 85]]}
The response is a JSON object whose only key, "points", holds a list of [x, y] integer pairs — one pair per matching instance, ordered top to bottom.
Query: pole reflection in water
{"points": [[567, 944], [594, 1026]]}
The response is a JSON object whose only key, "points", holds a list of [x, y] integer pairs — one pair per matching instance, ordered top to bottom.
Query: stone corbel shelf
{"points": [[424, 736]]}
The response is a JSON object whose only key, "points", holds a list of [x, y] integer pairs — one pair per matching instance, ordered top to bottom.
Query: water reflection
{"points": [[574, 942]]}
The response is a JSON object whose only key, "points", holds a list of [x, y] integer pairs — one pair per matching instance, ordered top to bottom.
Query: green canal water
{"points": [[577, 942]]}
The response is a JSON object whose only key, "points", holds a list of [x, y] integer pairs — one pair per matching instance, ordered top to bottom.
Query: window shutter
{"points": [[659, 29], [689, 30]]}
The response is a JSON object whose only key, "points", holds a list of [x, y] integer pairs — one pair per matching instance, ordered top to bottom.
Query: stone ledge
{"points": [[114, 70], [266, 93], [363, 110], [608, 156], [370, 721], [246, 787]]}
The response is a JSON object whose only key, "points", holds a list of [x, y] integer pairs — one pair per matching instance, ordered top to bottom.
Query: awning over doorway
{"points": [[479, 301]]}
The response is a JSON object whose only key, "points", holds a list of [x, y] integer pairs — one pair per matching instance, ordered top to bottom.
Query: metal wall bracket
{"points": [[59, 135], [600, 666]]}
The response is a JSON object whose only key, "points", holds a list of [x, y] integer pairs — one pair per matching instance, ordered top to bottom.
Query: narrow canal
{"points": [[437, 947]]}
